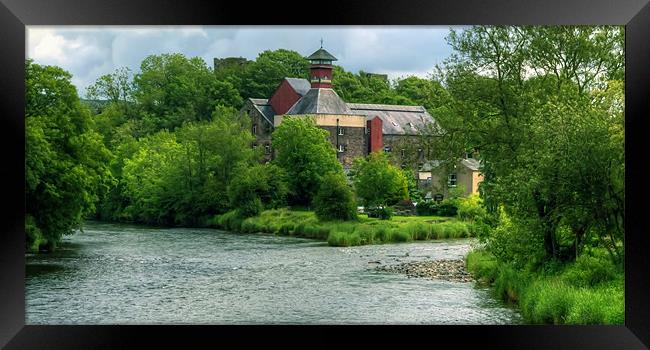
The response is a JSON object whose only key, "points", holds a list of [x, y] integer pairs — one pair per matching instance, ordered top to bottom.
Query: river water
{"points": [[125, 274]]}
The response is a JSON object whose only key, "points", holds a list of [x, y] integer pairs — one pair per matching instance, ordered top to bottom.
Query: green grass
{"points": [[345, 233], [589, 291]]}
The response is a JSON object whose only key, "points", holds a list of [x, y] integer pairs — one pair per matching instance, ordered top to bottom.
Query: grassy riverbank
{"points": [[345, 233], [589, 291]]}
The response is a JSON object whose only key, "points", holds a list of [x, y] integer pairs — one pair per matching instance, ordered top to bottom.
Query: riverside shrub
{"points": [[335, 199]]}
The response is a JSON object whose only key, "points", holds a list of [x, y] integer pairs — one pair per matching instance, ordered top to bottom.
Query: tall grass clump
{"points": [[418, 230], [343, 239], [588, 291]]}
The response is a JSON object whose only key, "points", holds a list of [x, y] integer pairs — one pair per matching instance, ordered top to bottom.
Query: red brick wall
{"points": [[283, 98], [375, 141]]}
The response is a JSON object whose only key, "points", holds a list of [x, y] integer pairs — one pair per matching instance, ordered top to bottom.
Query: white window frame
{"points": [[341, 132], [341, 148], [267, 149], [455, 180]]}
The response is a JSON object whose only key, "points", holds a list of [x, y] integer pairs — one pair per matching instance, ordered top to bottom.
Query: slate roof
{"points": [[322, 54], [301, 86], [320, 101], [263, 106], [396, 120], [471, 163]]}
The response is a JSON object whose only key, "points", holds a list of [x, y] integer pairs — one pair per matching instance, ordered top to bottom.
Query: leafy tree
{"points": [[264, 75], [116, 88], [172, 89], [541, 107], [305, 153], [66, 171], [181, 177], [377, 182], [258, 187], [335, 199]]}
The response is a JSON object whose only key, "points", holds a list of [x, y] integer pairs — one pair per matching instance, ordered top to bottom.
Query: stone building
{"points": [[355, 129], [436, 180]]}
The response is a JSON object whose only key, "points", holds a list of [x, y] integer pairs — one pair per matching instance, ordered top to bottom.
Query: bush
{"points": [[256, 188], [335, 199], [448, 207], [426, 208], [471, 208], [383, 213], [230, 221], [483, 265], [589, 271]]}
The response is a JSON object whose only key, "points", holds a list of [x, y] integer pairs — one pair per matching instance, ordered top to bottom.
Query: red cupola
{"points": [[321, 69]]}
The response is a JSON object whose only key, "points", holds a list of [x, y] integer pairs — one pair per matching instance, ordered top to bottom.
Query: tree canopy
{"points": [[66, 162]]}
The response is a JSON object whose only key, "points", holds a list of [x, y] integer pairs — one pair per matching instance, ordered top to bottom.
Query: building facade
{"points": [[355, 129]]}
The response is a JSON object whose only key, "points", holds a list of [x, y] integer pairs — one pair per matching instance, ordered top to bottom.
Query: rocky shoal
{"points": [[447, 270]]}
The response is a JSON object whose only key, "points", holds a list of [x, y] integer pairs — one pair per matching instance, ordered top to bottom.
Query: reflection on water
{"points": [[123, 274]]}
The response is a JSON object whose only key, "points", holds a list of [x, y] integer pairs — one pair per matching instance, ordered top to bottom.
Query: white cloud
{"points": [[89, 52]]}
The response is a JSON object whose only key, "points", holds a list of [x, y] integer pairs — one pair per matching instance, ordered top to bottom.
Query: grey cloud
{"points": [[398, 51]]}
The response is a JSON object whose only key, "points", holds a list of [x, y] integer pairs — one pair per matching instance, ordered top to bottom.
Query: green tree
{"points": [[264, 75], [172, 89], [540, 106], [305, 153], [66, 171], [182, 177], [377, 182], [258, 187], [335, 199]]}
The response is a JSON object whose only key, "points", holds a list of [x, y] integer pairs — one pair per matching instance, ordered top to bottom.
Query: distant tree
{"points": [[264, 75], [116, 88], [172, 89], [305, 153], [66, 163], [377, 182], [335, 199]]}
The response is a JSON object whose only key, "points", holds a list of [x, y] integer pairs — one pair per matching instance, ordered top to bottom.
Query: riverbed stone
{"points": [[453, 270]]}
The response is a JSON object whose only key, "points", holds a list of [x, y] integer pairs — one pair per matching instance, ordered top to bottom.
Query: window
{"points": [[254, 129], [341, 131], [254, 146], [341, 148], [267, 149], [387, 149], [402, 152], [428, 180], [452, 180]]}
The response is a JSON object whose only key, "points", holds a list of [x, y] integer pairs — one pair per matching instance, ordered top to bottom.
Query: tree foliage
{"points": [[544, 108], [305, 153], [66, 163], [377, 182], [258, 187], [335, 199]]}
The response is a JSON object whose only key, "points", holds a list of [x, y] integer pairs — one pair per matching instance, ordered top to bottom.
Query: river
{"points": [[127, 274]]}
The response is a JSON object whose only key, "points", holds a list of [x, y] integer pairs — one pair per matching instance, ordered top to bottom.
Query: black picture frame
{"points": [[16, 14]]}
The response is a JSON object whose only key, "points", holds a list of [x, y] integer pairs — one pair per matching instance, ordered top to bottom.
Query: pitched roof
{"points": [[322, 54], [301, 86], [320, 101], [262, 105], [396, 120], [471, 163]]}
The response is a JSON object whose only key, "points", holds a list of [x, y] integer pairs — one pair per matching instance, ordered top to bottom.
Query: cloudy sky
{"points": [[89, 52]]}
